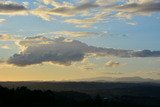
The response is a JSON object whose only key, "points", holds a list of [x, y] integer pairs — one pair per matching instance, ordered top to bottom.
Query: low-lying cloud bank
{"points": [[36, 50]]}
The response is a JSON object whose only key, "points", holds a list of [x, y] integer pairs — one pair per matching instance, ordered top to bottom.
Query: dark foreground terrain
{"points": [[79, 94]]}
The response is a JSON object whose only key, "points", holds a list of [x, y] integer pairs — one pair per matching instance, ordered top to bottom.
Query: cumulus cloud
{"points": [[12, 8], [36, 50], [46, 50]]}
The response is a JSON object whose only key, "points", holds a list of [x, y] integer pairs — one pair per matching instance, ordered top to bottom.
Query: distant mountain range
{"points": [[122, 79]]}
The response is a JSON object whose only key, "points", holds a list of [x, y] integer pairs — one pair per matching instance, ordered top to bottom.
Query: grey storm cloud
{"points": [[36, 50]]}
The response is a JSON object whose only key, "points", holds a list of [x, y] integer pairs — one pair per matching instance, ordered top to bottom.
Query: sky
{"points": [[57, 40]]}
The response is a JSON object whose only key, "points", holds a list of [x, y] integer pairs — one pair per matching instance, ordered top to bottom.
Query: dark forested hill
{"points": [[103, 88], [79, 94]]}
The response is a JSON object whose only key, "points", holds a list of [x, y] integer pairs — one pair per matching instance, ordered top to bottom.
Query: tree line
{"points": [[24, 97]]}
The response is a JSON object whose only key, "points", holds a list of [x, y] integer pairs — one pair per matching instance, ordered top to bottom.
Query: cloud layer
{"points": [[97, 10], [90, 11], [36, 50]]}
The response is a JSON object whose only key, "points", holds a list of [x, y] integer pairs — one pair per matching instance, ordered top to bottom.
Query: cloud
{"points": [[47, 1], [25, 4], [57, 4], [137, 7], [12, 8], [142, 8], [55, 9], [64, 9], [106, 9], [112, 9], [129, 9], [73, 10], [95, 10], [89, 12], [2, 20], [87, 22], [132, 23], [73, 34], [77, 34], [5, 37], [9, 37], [4, 47], [36, 50], [47, 50], [146, 53], [1, 61], [3, 64], [85, 64], [112, 64]]}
